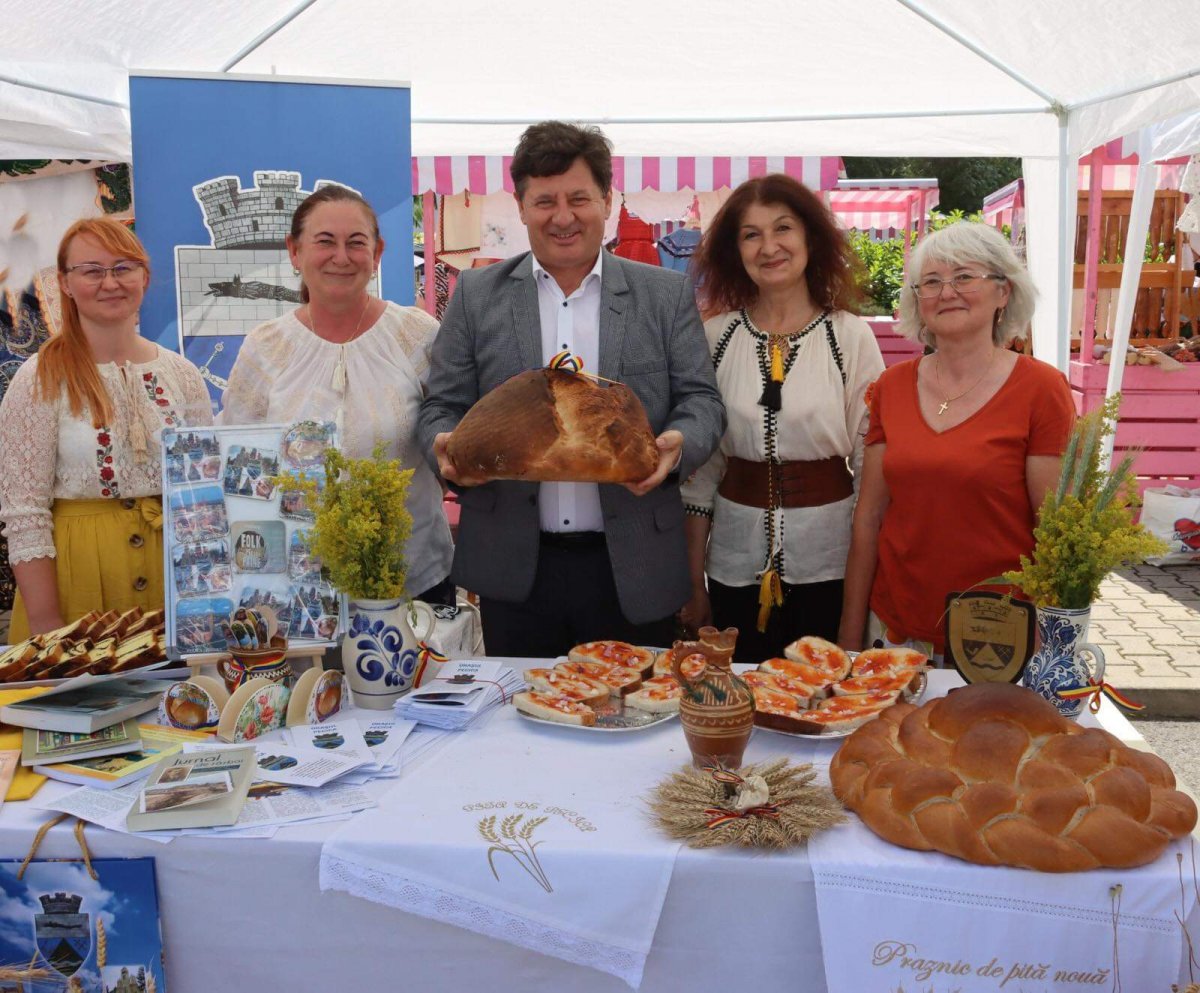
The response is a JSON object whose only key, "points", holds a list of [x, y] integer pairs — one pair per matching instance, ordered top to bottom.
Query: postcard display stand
{"points": [[233, 536]]}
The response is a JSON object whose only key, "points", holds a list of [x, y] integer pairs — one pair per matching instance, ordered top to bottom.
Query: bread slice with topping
{"points": [[614, 653], [820, 654], [876, 661], [619, 679], [556, 683], [659, 695], [555, 707]]}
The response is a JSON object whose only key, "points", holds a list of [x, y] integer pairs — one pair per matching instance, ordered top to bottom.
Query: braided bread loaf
{"points": [[993, 774]]}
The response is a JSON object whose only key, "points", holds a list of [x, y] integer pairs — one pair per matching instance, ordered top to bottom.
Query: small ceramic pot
{"points": [[240, 667], [717, 707]]}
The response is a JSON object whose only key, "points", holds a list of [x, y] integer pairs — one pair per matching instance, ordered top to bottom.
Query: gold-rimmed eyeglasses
{"points": [[123, 272], [960, 282]]}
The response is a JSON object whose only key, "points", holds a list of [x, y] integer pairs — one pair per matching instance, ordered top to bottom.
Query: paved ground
{"points": [[1147, 620]]}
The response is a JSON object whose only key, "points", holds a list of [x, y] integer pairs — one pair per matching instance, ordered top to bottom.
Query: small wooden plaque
{"points": [[989, 636]]}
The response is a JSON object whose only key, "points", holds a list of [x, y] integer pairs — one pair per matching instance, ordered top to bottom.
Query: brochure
{"points": [[277, 763]]}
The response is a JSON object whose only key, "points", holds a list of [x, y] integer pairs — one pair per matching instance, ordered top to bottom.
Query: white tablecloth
{"points": [[530, 840], [247, 914], [1027, 930]]}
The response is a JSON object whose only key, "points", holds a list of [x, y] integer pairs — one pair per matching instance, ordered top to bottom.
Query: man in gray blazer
{"points": [[556, 564]]}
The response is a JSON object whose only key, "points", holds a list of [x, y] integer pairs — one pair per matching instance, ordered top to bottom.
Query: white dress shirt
{"points": [[570, 323]]}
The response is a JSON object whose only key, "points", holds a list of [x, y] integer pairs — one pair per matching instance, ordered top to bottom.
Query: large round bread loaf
{"points": [[552, 426], [993, 774]]}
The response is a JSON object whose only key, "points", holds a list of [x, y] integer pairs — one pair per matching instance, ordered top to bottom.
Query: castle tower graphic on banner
{"points": [[243, 277]]}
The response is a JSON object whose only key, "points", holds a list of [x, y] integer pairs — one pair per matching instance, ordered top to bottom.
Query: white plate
{"points": [[610, 717]]}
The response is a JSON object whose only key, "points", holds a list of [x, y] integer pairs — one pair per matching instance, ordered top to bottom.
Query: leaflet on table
{"points": [[236, 536], [459, 683], [461, 693], [343, 739], [385, 739], [377, 741], [303, 766], [274, 803], [107, 808]]}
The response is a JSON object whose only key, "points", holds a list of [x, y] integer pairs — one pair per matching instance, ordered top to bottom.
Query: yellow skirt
{"points": [[109, 557]]}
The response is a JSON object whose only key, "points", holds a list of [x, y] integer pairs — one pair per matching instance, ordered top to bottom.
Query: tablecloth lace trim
{"points": [[942, 894], [428, 901]]}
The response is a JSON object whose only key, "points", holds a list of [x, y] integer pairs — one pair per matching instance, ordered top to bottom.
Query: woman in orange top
{"points": [[962, 446]]}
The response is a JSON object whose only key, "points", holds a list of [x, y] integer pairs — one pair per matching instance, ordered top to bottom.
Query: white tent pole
{"points": [[269, 33], [975, 49], [56, 91], [1118, 94], [1068, 182], [1131, 271]]}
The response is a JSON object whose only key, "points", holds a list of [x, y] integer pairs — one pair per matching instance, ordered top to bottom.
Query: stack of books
{"points": [[461, 694]]}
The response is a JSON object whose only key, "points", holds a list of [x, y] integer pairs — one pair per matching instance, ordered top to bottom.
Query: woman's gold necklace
{"points": [[946, 401]]}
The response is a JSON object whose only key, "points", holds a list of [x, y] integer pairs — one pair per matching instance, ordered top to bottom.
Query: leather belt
{"points": [[797, 484], [572, 540]]}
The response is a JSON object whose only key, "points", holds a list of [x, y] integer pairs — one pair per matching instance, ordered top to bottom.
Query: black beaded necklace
{"points": [[776, 362]]}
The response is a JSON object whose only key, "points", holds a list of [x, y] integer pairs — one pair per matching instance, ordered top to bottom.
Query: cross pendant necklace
{"points": [[946, 401]]}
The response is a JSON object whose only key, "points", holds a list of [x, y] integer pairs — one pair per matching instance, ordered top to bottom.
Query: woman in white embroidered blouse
{"points": [[349, 357], [81, 470], [769, 514]]}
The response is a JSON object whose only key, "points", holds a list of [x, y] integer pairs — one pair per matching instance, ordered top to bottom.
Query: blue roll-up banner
{"points": [[220, 162]]}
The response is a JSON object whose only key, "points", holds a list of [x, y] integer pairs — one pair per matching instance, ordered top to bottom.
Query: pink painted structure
{"points": [[1117, 164], [440, 175], [893, 347], [1160, 411]]}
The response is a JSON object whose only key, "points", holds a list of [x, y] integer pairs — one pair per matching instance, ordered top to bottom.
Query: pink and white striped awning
{"points": [[448, 174], [881, 208]]}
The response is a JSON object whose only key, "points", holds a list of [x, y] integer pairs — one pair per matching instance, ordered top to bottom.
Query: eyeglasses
{"points": [[123, 272], [960, 282]]}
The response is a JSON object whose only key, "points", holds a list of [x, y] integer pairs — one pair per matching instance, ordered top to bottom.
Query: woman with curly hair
{"points": [[769, 514]]}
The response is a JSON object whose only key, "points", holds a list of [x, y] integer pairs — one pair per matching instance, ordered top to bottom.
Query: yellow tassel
{"points": [[776, 364], [770, 594]]}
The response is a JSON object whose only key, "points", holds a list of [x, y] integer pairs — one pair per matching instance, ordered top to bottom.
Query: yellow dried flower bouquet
{"points": [[362, 523], [1085, 527]]}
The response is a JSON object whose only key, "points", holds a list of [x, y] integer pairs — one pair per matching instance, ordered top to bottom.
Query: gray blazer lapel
{"points": [[613, 290], [527, 321]]}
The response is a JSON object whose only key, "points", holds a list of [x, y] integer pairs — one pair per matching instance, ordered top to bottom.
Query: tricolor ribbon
{"points": [[566, 361], [425, 655], [1093, 690], [723, 775], [719, 815]]}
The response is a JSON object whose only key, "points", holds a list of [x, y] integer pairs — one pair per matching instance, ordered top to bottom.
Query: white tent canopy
{"points": [[1044, 81]]}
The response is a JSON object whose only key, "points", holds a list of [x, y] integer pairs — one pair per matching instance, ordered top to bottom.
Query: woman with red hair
{"points": [[80, 463], [769, 514]]}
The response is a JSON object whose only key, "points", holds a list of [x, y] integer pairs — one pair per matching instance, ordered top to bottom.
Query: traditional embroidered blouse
{"points": [[831, 363], [285, 373], [50, 455]]}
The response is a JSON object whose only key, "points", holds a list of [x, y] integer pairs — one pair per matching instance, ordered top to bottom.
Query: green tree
{"points": [[962, 182]]}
